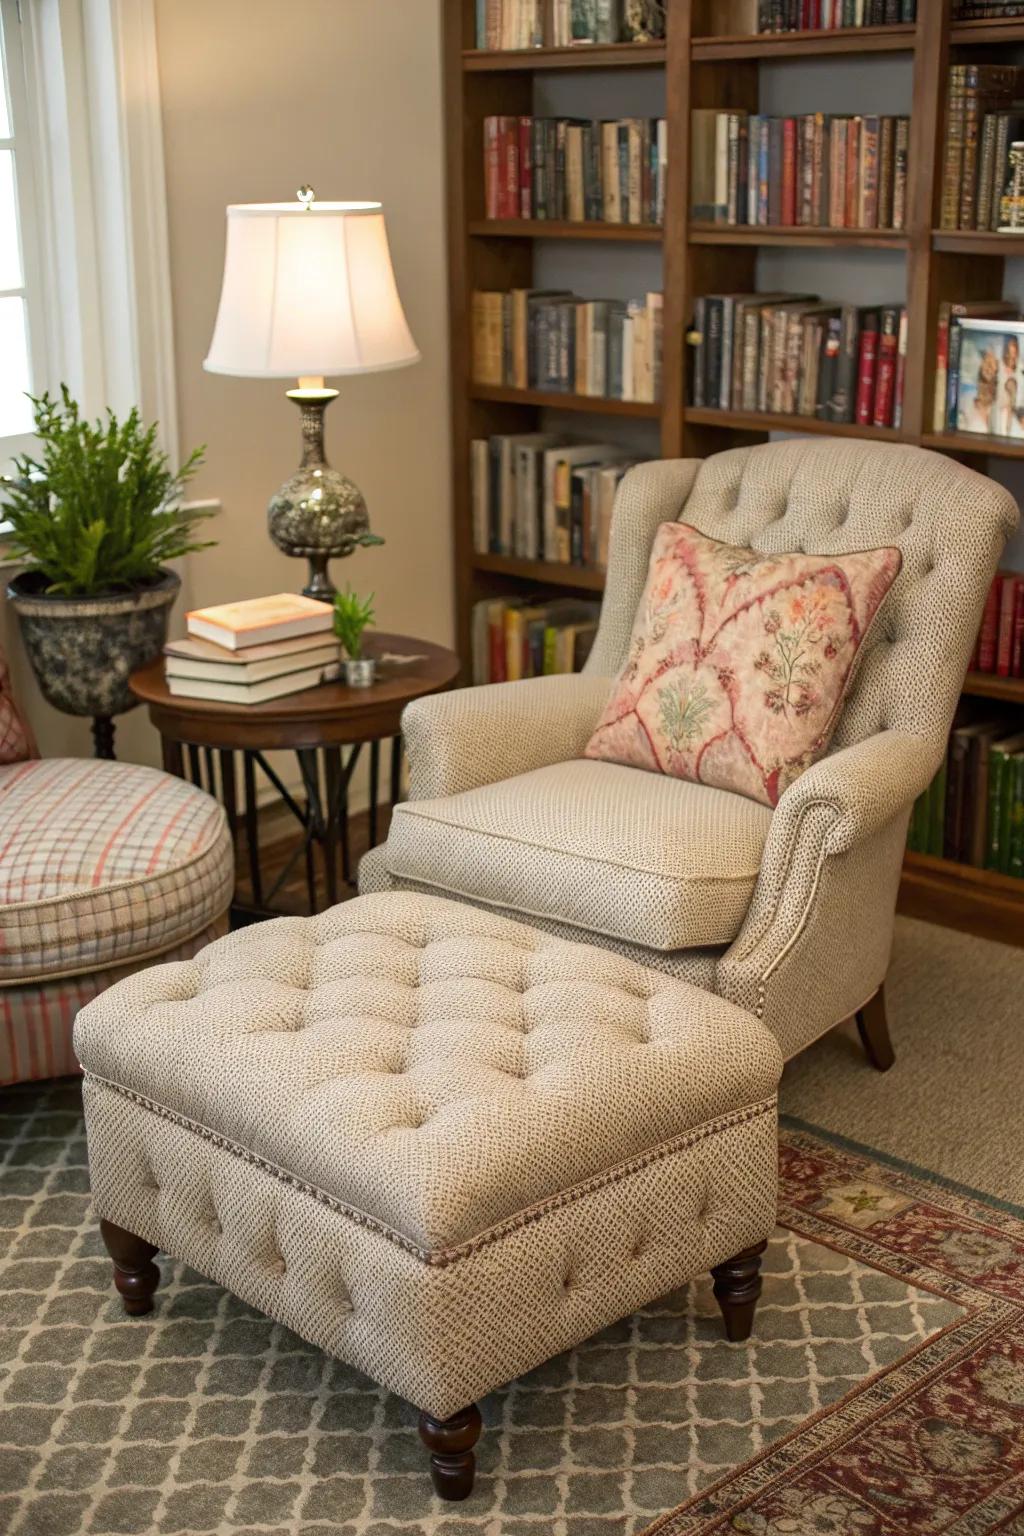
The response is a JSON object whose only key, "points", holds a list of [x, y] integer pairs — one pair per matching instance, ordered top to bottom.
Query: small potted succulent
{"points": [[94, 521], [352, 614]]}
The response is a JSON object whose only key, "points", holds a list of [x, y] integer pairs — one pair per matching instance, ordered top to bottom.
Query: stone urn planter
{"points": [[84, 649]]}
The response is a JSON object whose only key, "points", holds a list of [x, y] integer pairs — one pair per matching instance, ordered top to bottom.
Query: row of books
{"points": [[987, 10], [827, 15], [503, 24], [984, 117], [570, 168], [820, 170], [559, 343], [795, 356], [979, 377], [537, 496], [513, 638], [999, 650], [249, 652], [973, 811]]}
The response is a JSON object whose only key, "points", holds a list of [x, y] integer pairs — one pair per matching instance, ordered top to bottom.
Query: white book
{"points": [[236, 626], [258, 693]]}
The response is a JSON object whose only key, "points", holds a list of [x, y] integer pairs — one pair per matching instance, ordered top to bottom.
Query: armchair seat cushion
{"points": [[611, 850], [103, 864]]}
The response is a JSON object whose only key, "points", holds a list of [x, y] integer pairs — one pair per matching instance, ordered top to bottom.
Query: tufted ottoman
{"points": [[439, 1144]]}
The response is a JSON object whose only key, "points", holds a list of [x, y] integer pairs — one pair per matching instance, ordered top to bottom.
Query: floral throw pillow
{"points": [[739, 663], [16, 742]]}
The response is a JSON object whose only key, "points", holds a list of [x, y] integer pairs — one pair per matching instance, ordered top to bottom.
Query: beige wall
{"points": [[258, 97]]}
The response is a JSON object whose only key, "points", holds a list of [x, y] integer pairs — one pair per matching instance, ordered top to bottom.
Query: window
{"points": [[20, 338]]}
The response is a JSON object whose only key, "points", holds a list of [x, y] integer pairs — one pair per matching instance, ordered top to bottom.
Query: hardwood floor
{"points": [[279, 837]]}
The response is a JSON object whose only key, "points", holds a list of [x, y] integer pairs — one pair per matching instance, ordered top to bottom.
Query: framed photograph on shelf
{"points": [[990, 381]]}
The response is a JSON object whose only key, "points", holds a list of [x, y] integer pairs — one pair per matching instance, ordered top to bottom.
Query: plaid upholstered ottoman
{"points": [[439, 1144]]}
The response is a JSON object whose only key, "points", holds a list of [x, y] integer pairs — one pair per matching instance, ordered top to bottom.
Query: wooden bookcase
{"points": [[694, 67]]}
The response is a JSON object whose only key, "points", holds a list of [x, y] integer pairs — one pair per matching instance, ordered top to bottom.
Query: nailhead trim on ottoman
{"points": [[440, 1144]]}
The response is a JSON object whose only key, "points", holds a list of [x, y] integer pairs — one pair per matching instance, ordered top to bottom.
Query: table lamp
{"points": [[309, 293]]}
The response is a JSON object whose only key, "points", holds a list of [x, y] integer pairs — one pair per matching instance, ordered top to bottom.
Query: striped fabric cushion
{"points": [[103, 864], [37, 1019]]}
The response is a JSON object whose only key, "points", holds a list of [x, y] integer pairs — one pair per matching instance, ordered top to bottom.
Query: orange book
{"points": [[259, 620]]}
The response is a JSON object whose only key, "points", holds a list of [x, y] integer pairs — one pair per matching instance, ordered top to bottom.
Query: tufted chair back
{"points": [[830, 496], [16, 743]]}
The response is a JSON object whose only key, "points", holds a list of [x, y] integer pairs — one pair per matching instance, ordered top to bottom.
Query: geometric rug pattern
{"points": [[206, 1417]]}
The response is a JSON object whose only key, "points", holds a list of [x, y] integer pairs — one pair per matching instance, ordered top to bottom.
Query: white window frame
{"points": [[32, 289]]}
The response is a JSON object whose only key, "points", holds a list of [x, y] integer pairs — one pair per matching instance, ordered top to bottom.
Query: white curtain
{"points": [[94, 92]]}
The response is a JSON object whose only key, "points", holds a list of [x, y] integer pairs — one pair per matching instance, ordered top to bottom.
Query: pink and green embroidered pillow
{"points": [[739, 663]]}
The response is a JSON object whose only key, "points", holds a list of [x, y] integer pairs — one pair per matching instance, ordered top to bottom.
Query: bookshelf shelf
{"points": [[988, 33], [791, 45], [585, 56], [699, 67], [556, 229], [803, 235], [977, 242], [596, 405], [772, 421], [975, 443], [545, 572], [982, 685], [960, 896]]}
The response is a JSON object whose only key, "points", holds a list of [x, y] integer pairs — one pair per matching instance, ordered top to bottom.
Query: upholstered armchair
{"points": [[104, 868], [786, 912]]}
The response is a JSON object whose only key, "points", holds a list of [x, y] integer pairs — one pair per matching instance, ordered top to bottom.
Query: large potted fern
{"points": [[94, 519]]}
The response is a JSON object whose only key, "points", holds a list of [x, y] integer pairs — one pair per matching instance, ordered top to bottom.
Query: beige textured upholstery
{"points": [[638, 857], [814, 942], [440, 1144]]}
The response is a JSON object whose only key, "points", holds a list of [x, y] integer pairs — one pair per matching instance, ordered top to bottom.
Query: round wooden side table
{"points": [[327, 729]]}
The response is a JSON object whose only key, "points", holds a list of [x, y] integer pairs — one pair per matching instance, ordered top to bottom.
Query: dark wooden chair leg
{"points": [[873, 1028], [135, 1274], [737, 1288], [450, 1443]]}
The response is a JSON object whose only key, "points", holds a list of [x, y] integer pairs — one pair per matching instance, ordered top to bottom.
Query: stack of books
{"points": [[826, 15], [502, 24], [984, 116], [569, 168], [816, 170], [553, 341], [791, 355], [979, 376], [538, 497], [514, 638], [999, 651], [249, 652], [973, 811]]}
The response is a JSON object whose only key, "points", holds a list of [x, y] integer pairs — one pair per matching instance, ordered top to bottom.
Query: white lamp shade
{"points": [[308, 291]]}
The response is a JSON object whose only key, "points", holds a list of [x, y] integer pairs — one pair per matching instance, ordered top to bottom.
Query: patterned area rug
{"points": [[883, 1393]]}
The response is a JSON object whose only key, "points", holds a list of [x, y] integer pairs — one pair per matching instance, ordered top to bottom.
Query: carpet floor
{"points": [[953, 1102], [883, 1392]]}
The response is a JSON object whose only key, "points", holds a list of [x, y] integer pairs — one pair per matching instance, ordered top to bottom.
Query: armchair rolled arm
{"points": [[475, 736], [866, 786], [832, 811]]}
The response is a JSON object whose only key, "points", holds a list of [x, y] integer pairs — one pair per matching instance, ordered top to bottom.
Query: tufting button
{"points": [[216, 1228], [639, 1249], [277, 1265], [567, 1281]]}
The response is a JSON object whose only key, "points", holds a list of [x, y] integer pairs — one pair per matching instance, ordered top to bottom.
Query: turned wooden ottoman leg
{"points": [[135, 1274], [737, 1288], [450, 1443]]}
